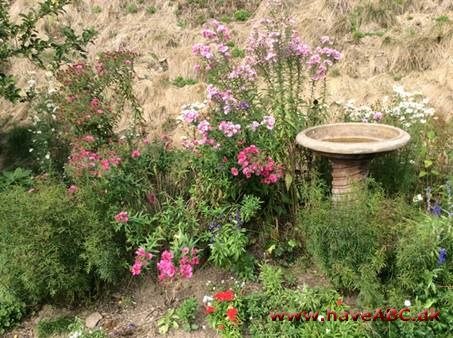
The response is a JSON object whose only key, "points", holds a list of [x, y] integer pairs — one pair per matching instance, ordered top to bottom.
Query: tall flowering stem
{"points": [[262, 98]]}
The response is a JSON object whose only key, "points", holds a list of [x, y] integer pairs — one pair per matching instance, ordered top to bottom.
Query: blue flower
{"points": [[243, 105], [436, 209], [238, 219], [442, 256]]}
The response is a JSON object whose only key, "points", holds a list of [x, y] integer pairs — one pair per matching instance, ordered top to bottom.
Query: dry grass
{"points": [[419, 51], [366, 72]]}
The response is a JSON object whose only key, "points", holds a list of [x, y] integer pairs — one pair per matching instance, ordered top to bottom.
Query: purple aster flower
{"points": [[243, 105], [436, 209], [238, 219], [442, 256]]}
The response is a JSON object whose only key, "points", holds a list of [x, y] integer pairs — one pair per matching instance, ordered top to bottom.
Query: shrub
{"points": [[151, 10], [242, 15], [21, 40], [182, 82], [85, 109], [423, 163], [348, 241], [49, 248], [11, 311], [186, 313], [55, 326]]}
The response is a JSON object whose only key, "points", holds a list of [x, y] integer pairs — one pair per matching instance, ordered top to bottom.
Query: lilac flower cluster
{"points": [[273, 40], [215, 50], [224, 98], [229, 129]]}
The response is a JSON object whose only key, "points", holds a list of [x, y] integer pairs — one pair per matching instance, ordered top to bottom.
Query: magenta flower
{"points": [[95, 102], [88, 138], [135, 154], [234, 171], [72, 189], [122, 217], [185, 250], [167, 255], [136, 269], [166, 269], [186, 270]]}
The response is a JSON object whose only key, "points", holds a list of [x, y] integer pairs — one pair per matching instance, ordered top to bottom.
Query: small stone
{"points": [[93, 320]]}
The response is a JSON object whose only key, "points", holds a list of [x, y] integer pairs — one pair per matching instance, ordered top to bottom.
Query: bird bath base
{"points": [[346, 175]]}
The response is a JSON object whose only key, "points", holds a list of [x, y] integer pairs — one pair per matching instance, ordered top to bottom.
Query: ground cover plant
{"points": [[100, 205]]}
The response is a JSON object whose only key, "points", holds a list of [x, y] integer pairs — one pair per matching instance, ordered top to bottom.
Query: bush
{"points": [[242, 15], [21, 40], [40, 237], [351, 241], [11, 311]]}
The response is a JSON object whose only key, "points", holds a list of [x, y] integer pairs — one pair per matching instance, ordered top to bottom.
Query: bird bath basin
{"points": [[350, 147]]}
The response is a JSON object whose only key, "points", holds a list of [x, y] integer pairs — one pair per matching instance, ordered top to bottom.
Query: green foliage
{"points": [[132, 8], [96, 9], [151, 10], [242, 15], [442, 19], [31, 46], [237, 52], [182, 82], [90, 103], [15, 149], [19, 176], [347, 239], [229, 244], [51, 247], [417, 254], [255, 308], [11, 311], [186, 313], [168, 321], [55, 326], [77, 329]]}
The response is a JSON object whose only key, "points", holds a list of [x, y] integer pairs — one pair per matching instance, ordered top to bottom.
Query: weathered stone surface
{"points": [[350, 146], [93, 320]]}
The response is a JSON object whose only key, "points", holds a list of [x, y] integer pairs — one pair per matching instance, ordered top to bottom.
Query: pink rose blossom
{"points": [[122, 217], [136, 269]]}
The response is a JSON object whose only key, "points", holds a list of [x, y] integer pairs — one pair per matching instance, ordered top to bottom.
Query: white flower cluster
{"points": [[410, 108], [406, 109], [361, 113]]}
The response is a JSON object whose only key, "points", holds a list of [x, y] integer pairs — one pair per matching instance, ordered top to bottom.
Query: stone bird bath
{"points": [[350, 147]]}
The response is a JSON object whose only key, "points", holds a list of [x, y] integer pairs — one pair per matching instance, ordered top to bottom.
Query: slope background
{"points": [[409, 42]]}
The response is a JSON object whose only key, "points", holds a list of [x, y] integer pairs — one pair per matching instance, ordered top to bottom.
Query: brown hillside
{"points": [[382, 44]]}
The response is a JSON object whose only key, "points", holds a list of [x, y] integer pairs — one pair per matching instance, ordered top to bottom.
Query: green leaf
{"points": [[431, 135], [428, 163], [422, 173], [288, 181], [271, 248]]}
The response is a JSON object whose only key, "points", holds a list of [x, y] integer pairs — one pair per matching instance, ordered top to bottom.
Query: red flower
{"points": [[225, 296], [339, 301], [209, 309], [232, 314], [221, 327]]}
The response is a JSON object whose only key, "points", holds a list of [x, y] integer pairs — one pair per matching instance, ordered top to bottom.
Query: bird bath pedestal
{"points": [[350, 147]]}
